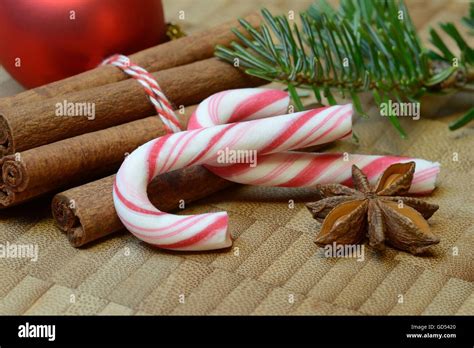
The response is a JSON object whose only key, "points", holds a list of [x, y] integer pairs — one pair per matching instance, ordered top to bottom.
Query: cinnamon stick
{"points": [[171, 54], [34, 124], [29, 174], [87, 213]]}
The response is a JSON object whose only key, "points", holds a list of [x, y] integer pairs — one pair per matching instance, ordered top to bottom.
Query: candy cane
{"points": [[202, 146], [294, 169], [300, 169]]}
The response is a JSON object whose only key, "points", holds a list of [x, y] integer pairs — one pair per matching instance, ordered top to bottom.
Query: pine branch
{"points": [[469, 21], [364, 46], [467, 55], [463, 120]]}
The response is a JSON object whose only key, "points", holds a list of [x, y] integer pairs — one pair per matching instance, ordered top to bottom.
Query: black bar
{"points": [[192, 330]]}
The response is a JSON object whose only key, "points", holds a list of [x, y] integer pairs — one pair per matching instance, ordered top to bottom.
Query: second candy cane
{"points": [[294, 169]]}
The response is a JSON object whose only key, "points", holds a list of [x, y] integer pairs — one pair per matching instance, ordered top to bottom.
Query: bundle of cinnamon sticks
{"points": [[43, 151]]}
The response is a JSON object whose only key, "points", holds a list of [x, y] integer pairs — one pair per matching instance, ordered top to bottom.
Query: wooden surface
{"points": [[276, 268]]}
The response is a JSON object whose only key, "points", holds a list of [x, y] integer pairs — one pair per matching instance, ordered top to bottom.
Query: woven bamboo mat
{"points": [[274, 266]]}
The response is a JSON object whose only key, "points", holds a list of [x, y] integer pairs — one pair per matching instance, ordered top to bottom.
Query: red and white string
{"points": [[152, 88]]}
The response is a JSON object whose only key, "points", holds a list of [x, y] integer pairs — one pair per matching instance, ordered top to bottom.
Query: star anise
{"points": [[380, 213]]}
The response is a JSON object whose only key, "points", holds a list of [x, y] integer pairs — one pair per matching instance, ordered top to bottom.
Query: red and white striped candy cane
{"points": [[237, 105], [202, 146], [294, 169], [300, 169]]}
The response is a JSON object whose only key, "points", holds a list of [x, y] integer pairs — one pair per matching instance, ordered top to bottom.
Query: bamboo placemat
{"points": [[274, 266]]}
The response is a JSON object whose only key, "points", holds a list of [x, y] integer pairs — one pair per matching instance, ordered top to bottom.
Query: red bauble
{"points": [[46, 40]]}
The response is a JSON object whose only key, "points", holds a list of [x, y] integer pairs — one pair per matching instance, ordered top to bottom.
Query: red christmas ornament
{"points": [[47, 40]]}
